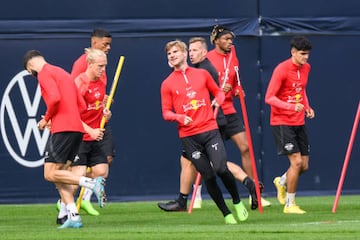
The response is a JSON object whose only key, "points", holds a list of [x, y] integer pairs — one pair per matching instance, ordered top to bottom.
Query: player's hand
{"points": [[227, 87], [237, 92], [105, 100], [214, 103], [299, 107], [107, 113], [310, 113], [187, 120], [42, 124], [48, 125], [97, 133]]}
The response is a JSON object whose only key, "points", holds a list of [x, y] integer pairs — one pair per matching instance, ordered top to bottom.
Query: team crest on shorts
{"points": [[289, 146], [196, 155], [76, 158]]}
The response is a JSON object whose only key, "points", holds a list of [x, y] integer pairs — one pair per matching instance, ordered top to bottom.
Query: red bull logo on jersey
{"points": [[297, 97], [194, 104], [95, 106]]}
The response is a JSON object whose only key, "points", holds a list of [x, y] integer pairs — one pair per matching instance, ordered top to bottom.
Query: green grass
{"points": [[145, 221]]}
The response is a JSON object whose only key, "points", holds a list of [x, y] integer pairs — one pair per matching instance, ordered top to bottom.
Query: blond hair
{"points": [[180, 44], [93, 54]]}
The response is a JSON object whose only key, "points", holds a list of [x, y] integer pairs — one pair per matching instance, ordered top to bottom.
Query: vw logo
{"points": [[18, 112]]}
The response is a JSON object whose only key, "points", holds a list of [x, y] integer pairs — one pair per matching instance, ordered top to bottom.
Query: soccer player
{"points": [[100, 39], [197, 54], [223, 58], [286, 95], [185, 99], [63, 118], [92, 152]]}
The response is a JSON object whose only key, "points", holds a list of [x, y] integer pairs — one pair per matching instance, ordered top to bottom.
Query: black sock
{"points": [[249, 183], [182, 199]]}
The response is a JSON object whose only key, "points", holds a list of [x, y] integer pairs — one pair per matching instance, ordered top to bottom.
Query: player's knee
{"points": [[244, 149], [297, 166], [220, 168], [222, 171], [101, 172], [226, 174], [208, 176], [48, 177], [210, 180], [74, 189]]}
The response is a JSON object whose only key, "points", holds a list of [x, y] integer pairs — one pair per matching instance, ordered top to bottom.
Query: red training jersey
{"points": [[221, 62], [286, 88], [93, 93], [187, 93], [61, 98]]}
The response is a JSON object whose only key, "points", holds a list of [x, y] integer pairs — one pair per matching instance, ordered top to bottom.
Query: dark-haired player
{"points": [[286, 95]]}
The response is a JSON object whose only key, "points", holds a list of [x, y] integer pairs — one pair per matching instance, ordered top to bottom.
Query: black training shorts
{"points": [[234, 125], [291, 139], [62, 146], [108, 146], [90, 154]]}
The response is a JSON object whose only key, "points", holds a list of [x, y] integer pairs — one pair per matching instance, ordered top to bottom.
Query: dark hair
{"points": [[219, 31], [100, 33], [300, 43], [29, 55]]}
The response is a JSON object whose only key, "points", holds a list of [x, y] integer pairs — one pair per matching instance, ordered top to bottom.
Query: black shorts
{"points": [[234, 125], [231, 126], [291, 139], [62, 146], [109, 146], [207, 152], [90, 154]]}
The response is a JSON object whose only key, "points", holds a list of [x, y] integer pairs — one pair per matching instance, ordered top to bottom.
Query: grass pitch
{"points": [[145, 221]]}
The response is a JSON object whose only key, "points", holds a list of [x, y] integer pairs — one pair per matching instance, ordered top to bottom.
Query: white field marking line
{"points": [[328, 222]]}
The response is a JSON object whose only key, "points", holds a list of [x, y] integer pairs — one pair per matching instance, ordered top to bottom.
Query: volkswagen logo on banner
{"points": [[21, 107]]}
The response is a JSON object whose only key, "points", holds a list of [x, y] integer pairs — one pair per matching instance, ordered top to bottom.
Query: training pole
{"points": [[113, 88], [103, 120], [248, 136], [347, 157], [196, 187]]}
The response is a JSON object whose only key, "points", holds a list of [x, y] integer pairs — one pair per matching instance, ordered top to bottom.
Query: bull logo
{"points": [[18, 111]]}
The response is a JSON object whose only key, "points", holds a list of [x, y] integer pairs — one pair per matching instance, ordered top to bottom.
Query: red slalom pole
{"points": [[248, 136], [347, 157], [196, 186]]}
